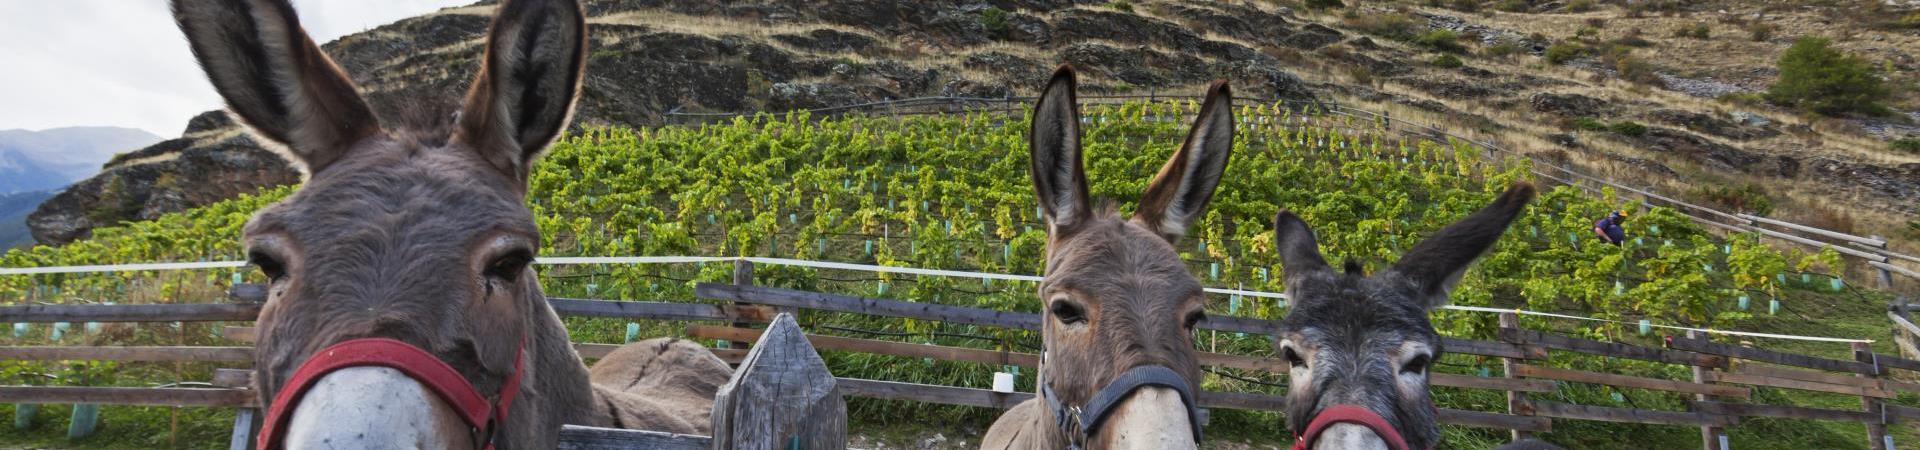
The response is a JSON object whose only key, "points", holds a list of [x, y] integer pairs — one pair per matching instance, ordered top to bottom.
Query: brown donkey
{"points": [[402, 311], [1359, 346], [1119, 369]]}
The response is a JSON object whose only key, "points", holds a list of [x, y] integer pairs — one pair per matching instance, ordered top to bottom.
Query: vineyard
{"points": [[951, 192]]}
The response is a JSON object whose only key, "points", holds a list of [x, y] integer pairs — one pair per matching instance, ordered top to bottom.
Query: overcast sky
{"points": [[124, 63]]}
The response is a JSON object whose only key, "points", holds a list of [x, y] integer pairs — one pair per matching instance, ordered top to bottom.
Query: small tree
{"points": [[1818, 77]]}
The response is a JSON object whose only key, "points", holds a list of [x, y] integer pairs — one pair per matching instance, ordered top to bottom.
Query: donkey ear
{"points": [[275, 79], [524, 95], [1058, 178], [1178, 195], [1299, 250], [1437, 263]]}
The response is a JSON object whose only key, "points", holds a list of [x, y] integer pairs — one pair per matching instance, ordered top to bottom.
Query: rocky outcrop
{"points": [[196, 175]]}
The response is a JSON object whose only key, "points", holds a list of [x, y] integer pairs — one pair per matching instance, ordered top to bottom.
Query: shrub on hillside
{"points": [[1325, 4], [1513, 6], [1580, 6], [1128, 7], [994, 21], [1697, 31], [1761, 32], [1442, 40], [1500, 50], [1563, 52], [1447, 62], [1632, 68], [1817, 77], [1628, 128], [1906, 145], [1749, 198]]}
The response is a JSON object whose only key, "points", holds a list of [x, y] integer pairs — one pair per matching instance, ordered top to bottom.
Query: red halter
{"points": [[436, 375], [1338, 414]]}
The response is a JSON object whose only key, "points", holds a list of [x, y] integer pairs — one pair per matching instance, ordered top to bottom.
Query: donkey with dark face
{"points": [[402, 312], [1360, 346], [1119, 370]]}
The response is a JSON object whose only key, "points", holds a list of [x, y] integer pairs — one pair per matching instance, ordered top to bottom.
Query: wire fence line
{"points": [[1873, 250]]}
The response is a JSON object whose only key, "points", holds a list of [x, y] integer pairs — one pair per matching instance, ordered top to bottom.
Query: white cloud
{"points": [[123, 62]]}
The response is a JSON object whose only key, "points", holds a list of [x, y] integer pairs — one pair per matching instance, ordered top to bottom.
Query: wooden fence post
{"points": [[742, 276], [781, 397], [1516, 401], [245, 429], [1711, 437], [1877, 438]]}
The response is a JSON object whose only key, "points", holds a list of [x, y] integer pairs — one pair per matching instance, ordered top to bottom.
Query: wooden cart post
{"points": [[1516, 401], [1711, 437], [1877, 438]]}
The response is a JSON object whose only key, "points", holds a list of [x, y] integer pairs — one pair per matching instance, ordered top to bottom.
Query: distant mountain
{"points": [[53, 158], [13, 217]]}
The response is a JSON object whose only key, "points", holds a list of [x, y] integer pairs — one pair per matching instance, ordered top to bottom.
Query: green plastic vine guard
{"points": [[1655, 229], [1533, 231], [869, 247], [1707, 267], [1213, 271], [1781, 277], [1806, 278], [1837, 284], [1618, 288], [1743, 303], [1646, 327], [20, 330], [59, 330], [633, 331], [23, 415], [86, 420]]}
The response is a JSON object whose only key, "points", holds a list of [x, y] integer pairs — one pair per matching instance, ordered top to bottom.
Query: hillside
{"points": [[652, 59], [951, 192]]}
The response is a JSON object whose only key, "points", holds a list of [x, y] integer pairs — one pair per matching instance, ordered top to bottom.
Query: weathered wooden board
{"points": [[863, 305], [568, 307], [180, 312], [1491, 348], [1613, 349], [128, 353], [1769, 356], [1806, 375], [233, 378], [1625, 381], [1493, 383], [1784, 383], [927, 393], [781, 395], [129, 396], [1784, 412], [1624, 415], [1496, 421], [577, 437]]}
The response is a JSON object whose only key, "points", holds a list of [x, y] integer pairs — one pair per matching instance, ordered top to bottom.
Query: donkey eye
{"points": [[269, 266], [508, 267], [1067, 312], [1195, 319], [1293, 357], [1417, 365]]}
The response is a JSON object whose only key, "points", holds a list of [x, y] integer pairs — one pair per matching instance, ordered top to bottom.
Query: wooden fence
{"points": [[1723, 375]]}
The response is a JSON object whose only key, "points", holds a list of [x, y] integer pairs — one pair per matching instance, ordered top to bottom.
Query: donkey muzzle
{"points": [[383, 393]]}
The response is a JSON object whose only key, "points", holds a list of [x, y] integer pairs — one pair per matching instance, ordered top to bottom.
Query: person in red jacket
{"points": [[1609, 228]]}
